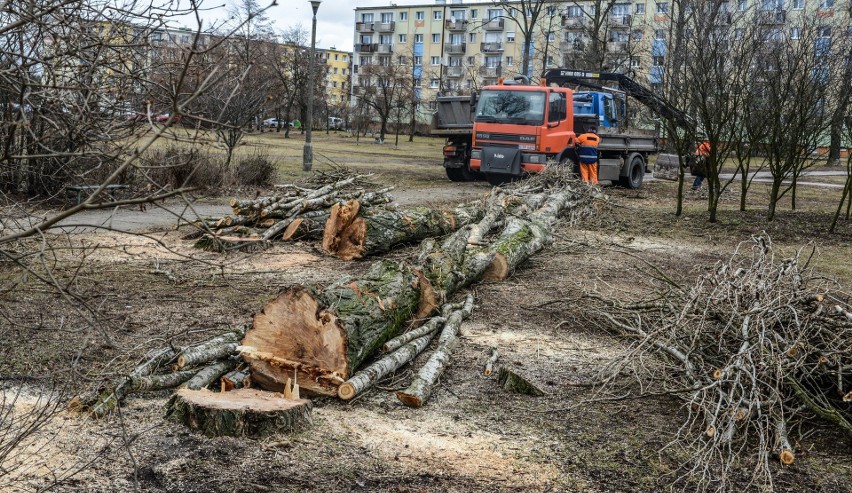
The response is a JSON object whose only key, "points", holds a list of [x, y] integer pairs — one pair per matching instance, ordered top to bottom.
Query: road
{"points": [[766, 177]]}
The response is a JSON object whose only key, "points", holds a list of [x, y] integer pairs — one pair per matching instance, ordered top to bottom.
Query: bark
{"points": [[429, 327], [325, 335], [216, 348], [489, 365], [209, 374], [368, 377], [236, 379], [159, 382], [513, 382], [421, 388], [109, 400], [243, 412]]}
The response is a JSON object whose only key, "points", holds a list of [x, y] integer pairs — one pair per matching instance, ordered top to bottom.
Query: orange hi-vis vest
{"points": [[588, 148], [703, 149]]}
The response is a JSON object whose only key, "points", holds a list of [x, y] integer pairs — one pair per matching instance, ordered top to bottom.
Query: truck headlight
{"points": [[476, 154], [534, 158]]}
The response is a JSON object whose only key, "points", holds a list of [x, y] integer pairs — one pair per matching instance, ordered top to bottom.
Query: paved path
{"points": [[766, 177], [133, 219]]}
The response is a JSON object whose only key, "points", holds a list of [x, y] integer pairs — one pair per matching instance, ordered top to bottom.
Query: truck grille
{"points": [[482, 137]]}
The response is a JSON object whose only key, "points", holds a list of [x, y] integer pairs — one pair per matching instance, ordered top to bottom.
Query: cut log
{"points": [[351, 235], [429, 327], [326, 335], [207, 352], [387, 364], [489, 365], [209, 374], [236, 379], [159, 382], [513, 382], [421, 387], [109, 400], [243, 412]]}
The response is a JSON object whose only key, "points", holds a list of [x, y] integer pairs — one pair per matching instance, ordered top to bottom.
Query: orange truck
{"points": [[518, 129]]}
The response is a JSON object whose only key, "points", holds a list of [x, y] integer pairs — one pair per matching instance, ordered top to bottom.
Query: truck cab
{"points": [[598, 109], [517, 129]]}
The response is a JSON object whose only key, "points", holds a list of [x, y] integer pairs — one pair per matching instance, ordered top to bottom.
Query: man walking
{"points": [[587, 151], [698, 166]]}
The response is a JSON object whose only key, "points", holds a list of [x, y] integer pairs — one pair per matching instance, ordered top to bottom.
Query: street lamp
{"points": [[308, 153]]}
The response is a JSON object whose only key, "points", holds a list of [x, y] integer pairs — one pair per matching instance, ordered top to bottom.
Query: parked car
{"points": [[272, 122], [335, 123]]}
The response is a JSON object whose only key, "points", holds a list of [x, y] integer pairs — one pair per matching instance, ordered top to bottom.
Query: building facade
{"points": [[457, 47]]}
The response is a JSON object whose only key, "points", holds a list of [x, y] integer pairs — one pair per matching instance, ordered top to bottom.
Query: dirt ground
{"points": [[149, 290]]}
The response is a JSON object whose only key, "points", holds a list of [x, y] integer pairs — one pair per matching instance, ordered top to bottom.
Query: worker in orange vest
{"points": [[587, 151], [698, 167]]}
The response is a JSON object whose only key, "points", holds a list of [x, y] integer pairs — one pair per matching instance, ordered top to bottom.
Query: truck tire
{"points": [[635, 173], [459, 174]]}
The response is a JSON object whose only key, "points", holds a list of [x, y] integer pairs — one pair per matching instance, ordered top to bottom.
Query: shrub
{"points": [[177, 167], [256, 170]]}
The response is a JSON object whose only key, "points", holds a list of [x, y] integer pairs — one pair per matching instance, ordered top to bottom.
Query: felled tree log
{"points": [[350, 234], [431, 326], [325, 335], [216, 348], [489, 365], [209, 374], [236, 379], [159, 382], [513, 382], [421, 387], [110, 399], [243, 412]]}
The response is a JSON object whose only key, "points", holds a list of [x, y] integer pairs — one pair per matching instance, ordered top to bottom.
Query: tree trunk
{"points": [[773, 198], [351, 235], [324, 336], [421, 387], [243, 412]]}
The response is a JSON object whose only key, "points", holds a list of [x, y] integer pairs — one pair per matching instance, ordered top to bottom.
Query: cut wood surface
{"points": [[355, 233], [325, 335], [489, 365], [235, 379], [421, 387], [243, 412]]}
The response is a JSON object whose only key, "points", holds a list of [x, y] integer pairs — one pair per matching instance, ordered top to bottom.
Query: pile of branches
{"points": [[298, 211], [756, 348], [213, 363]]}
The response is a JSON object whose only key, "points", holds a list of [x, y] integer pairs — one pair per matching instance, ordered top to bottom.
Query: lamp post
{"points": [[308, 153]]}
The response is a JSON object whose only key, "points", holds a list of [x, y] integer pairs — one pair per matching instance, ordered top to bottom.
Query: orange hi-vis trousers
{"points": [[589, 173]]}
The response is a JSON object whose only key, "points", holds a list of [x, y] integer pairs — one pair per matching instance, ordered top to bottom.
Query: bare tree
{"points": [[525, 14], [386, 89]]}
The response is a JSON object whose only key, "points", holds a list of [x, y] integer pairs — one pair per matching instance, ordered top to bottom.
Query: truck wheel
{"points": [[459, 174], [635, 174]]}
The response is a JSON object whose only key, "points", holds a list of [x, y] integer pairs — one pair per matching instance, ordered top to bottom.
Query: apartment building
{"points": [[460, 46], [338, 75]]}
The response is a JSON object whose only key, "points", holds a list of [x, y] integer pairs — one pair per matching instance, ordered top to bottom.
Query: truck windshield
{"points": [[518, 107]]}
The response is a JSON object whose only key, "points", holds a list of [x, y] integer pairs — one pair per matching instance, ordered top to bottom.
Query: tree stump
{"points": [[513, 382], [243, 412]]}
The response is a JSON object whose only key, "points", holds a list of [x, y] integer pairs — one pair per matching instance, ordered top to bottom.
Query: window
{"points": [[798, 4], [826, 4], [742, 5], [771, 5], [662, 7], [640, 8], [551, 10], [620, 10], [574, 11], [474, 13], [494, 13], [419, 15], [436, 15], [457, 15], [403, 16], [366, 17], [387, 17], [824, 32], [739, 33], [795, 33], [660, 34], [638, 35], [510, 36], [551, 36], [572, 36], [618, 36], [403, 38], [418, 38], [436, 38], [471, 38], [366, 39], [386, 39], [456, 39], [336, 55], [344, 58], [401, 59], [366, 60], [418, 60], [435, 60], [471, 60], [510, 60], [384, 61], [455, 61], [492, 61], [549, 61], [658, 61], [635, 62], [335, 70], [343, 72], [418, 82], [433, 83], [334, 84], [558, 110]]}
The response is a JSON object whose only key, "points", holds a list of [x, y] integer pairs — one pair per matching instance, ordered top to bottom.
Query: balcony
{"points": [[772, 17], [621, 21], [573, 22], [455, 25], [493, 25], [364, 27], [384, 27], [571, 46], [366, 47], [496, 47], [616, 47], [384, 48], [457, 49], [495, 71], [454, 72]]}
